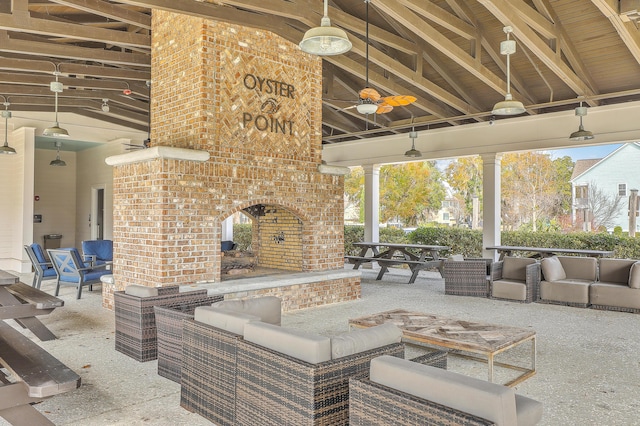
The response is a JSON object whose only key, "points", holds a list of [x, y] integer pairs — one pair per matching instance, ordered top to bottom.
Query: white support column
{"points": [[491, 189], [372, 202], [227, 229]]}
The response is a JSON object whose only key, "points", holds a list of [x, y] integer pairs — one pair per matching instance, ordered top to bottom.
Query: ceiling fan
{"points": [[369, 100]]}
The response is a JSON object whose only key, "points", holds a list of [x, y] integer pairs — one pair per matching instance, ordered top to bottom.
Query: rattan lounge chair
{"points": [[468, 277], [516, 279], [135, 322]]}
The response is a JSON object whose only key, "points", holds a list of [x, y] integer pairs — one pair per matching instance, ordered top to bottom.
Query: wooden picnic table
{"points": [[548, 251], [416, 256], [23, 303]]}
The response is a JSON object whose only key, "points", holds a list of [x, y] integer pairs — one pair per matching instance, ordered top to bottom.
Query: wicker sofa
{"points": [[516, 279], [610, 284], [618, 286], [135, 322], [288, 377], [401, 392]]}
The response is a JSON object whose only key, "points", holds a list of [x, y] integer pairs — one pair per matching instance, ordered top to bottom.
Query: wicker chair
{"points": [[470, 277], [516, 279], [135, 321], [169, 329], [277, 389]]}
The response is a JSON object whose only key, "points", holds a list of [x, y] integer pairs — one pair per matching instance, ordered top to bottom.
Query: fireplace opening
{"points": [[267, 240]]}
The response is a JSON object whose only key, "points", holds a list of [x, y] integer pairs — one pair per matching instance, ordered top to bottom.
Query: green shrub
{"points": [[242, 235], [469, 242]]}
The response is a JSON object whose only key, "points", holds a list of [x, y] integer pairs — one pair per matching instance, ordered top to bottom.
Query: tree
{"points": [[464, 175], [531, 189], [408, 192], [603, 208]]}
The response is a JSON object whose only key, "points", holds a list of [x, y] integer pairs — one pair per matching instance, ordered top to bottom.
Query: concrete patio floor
{"points": [[587, 360]]}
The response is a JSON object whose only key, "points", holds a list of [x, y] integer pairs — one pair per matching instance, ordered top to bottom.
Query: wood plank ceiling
{"points": [[444, 52]]}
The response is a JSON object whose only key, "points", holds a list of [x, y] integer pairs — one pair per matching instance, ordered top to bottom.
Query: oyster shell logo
{"points": [[265, 120]]}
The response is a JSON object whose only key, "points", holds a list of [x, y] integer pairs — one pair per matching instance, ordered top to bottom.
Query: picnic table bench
{"points": [[427, 257], [23, 303], [29, 374]]}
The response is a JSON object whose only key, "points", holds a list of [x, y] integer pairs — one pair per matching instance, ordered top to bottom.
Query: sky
{"points": [[587, 152]]}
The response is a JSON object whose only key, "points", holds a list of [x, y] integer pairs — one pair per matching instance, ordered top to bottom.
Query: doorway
{"points": [[96, 219]]}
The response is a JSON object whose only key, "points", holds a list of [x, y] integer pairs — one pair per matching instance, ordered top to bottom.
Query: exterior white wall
{"points": [[618, 167]]}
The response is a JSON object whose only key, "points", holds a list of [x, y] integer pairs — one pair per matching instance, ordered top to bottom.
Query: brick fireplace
{"points": [[235, 126]]}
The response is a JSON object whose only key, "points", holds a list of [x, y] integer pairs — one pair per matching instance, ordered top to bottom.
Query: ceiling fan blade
{"points": [[369, 93], [399, 100], [384, 108]]}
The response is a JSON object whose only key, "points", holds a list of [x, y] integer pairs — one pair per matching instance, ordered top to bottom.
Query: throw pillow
{"points": [[552, 269], [634, 275]]}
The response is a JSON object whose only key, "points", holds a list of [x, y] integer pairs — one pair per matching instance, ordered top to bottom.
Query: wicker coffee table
{"points": [[454, 334]]}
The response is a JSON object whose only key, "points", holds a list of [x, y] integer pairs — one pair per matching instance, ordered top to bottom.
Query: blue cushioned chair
{"points": [[97, 252], [43, 269], [72, 271]]}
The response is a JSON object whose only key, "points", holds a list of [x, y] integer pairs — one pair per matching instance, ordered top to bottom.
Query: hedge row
{"points": [[469, 242]]}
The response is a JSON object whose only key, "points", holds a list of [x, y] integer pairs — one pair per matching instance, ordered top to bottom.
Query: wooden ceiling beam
{"points": [[110, 11], [432, 12], [504, 12], [53, 28], [625, 28], [41, 48]]}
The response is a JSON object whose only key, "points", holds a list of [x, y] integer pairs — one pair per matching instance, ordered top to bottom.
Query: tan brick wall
{"points": [[168, 213], [280, 240]]}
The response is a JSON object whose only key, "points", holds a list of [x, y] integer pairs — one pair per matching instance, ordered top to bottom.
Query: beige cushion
{"points": [[456, 257], [515, 268], [580, 268], [552, 269], [614, 270], [634, 275], [507, 289], [140, 290], [568, 291], [614, 295], [268, 308], [230, 321], [364, 340], [302, 345], [478, 397]]}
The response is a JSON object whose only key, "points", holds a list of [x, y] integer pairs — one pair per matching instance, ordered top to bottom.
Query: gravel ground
{"points": [[587, 360]]}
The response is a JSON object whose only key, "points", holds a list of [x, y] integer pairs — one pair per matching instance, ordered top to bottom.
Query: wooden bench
{"points": [[23, 303], [29, 375]]}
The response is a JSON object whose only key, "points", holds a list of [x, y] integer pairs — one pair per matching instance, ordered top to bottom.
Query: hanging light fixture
{"points": [[325, 40], [105, 105], [508, 106], [56, 131], [581, 134], [6, 149], [413, 152], [58, 161]]}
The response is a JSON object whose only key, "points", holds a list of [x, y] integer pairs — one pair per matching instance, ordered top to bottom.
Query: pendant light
{"points": [[325, 40], [508, 106], [56, 131], [581, 134], [6, 149], [413, 152], [58, 162]]}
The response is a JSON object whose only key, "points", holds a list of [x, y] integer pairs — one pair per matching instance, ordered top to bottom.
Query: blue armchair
{"points": [[97, 252], [43, 270], [71, 270]]}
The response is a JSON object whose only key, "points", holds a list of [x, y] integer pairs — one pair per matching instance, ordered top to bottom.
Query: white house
{"points": [[615, 176]]}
